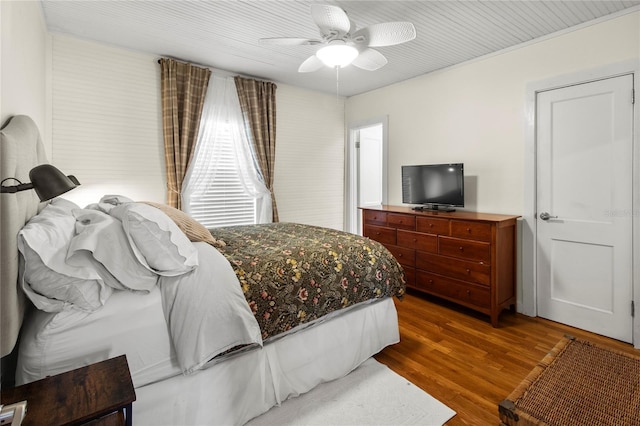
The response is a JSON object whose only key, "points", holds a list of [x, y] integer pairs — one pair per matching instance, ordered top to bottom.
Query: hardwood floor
{"points": [[457, 357]]}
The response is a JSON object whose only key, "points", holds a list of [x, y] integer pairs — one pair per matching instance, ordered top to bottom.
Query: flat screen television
{"points": [[433, 186]]}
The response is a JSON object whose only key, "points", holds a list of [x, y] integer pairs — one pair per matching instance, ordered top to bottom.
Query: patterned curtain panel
{"points": [[183, 91], [258, 103]]}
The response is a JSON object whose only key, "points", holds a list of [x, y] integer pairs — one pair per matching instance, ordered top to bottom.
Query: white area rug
{"points": [[372, 394]]}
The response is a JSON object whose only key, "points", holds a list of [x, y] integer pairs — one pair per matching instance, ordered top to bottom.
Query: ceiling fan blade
{"points": [[330, 19], [352, 28], [385, 34], [287, 41], [370, 60], [311, 64]]}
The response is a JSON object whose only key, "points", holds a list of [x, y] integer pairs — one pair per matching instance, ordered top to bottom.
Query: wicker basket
{"points": [[577, 383]]}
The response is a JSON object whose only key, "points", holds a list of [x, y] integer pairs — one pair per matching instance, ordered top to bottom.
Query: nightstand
{"points": [[98, 394]]}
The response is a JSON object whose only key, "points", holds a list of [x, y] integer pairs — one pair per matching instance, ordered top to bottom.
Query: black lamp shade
{"points": [[49, 182]]}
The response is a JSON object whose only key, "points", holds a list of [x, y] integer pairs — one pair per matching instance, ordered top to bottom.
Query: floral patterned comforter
{"points": [[293, 274]]}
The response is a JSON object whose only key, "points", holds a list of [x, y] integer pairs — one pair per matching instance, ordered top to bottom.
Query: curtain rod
{"points": [[184, 61], [219, 71]]}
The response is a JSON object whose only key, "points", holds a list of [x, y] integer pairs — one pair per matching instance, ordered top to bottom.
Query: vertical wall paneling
{"points": [[23, 44], [106, 120], [309, 171]]}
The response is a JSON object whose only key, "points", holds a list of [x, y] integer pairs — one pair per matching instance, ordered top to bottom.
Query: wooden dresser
{"points": [[465, 257]]}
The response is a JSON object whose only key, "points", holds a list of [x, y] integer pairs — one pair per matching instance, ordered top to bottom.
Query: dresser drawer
{"points": [[375, 217], [402, 221], [432, 226], [472, 230], [380, 234], [424, 242], [464, 249], [404, 256], [455, 268], [454, 290]]}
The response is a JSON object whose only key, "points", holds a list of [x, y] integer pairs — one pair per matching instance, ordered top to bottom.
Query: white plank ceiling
{"points": [[224, 34]]}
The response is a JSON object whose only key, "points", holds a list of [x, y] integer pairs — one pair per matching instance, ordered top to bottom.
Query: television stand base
{"points": [[434, 208]]}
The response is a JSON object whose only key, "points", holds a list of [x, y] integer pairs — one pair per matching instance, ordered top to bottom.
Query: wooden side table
{"points": [[98, 394]]}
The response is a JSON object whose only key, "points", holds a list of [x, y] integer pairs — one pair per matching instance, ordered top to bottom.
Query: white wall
{"points": [[23, 64], [476, 112], [106, 120], [107, 130], [309, 172]]}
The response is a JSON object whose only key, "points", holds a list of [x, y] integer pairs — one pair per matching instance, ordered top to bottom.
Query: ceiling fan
{"points": [[343, 43]]}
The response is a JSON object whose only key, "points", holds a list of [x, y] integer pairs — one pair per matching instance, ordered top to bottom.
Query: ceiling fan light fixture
{"points": [[340, 36], [337, 54]]}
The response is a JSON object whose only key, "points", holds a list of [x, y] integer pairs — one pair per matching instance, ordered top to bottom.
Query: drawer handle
{"points": [[431, 225], [469, 230], [377, 233], [415, 240], [461, 248], [400, 255], [468, 271], [430, 281], [468, 292]]}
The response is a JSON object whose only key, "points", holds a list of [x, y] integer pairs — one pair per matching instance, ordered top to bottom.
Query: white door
{"points": [[370, 166], [367, 175], [584, 206]]}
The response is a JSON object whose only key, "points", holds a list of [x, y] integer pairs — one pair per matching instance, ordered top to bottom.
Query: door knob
{"points": [[547, 216]]}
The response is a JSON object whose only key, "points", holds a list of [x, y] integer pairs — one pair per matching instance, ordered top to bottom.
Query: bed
{"points": [[217, 327]]}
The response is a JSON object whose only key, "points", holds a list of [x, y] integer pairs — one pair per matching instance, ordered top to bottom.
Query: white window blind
{"points": [[224, 202]]}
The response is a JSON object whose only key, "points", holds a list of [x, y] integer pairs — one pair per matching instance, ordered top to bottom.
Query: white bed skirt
{"points": [[234, 391]]}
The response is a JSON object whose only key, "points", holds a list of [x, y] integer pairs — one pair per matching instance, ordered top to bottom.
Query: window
{"points": [[223, 186], [224, 201]]}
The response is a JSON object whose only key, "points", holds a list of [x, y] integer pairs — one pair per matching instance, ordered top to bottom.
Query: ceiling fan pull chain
{"points": [[337, 85]]}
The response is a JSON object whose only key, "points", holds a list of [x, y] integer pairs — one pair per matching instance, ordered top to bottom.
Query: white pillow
{"points": [[115, 200], [107, 202], [61, 206], [103, 236], [156, 239], [46, 278], [51, 291]]}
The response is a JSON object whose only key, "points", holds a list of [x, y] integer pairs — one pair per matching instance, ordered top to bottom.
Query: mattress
{"points": [[55, 343]]}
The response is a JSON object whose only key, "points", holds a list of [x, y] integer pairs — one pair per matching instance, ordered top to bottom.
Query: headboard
{"points": [[21, 149]]}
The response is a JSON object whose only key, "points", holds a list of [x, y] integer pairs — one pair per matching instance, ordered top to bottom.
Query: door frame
{"points": [[351, 168], [527, 295]]}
